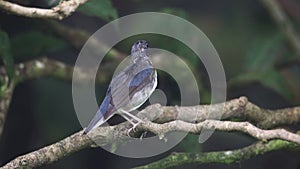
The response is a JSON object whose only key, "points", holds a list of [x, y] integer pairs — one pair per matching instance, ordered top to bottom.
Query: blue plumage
{"points": [[141, 77]]}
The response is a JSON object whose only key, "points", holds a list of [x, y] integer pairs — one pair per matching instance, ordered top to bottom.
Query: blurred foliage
{"points": [[52, 2], [102, 9], [176, 11], [35, 43], [5, 53], [264, 53], [259, 65], [54, 103], [190, 144]]}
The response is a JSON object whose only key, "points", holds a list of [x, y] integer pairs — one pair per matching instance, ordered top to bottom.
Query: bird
{"points": [[129, 89]]}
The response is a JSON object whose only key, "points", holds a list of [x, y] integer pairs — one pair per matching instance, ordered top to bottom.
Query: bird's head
{"points": [[139, 46], [139, 49]]}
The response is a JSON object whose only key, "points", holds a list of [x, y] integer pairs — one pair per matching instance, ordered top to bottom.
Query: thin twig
{"points": [[62, 10], [77, 37]]}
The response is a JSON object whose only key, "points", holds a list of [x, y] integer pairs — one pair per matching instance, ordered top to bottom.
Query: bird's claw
{"points": [[133, 128], [143, 135]]}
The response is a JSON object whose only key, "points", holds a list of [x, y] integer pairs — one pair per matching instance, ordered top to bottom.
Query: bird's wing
{"points": [[140, 80], [127, 83], [118, 89]]}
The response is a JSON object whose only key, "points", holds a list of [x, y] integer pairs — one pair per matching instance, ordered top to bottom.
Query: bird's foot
{"points": [[125, 113], [134, 126], [143, 135]]}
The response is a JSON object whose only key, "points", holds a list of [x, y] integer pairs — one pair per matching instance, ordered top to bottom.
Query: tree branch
{"points": [[62, 10], [283, 23], [77, 38], [239, 108], [246, 127], [108, 134], [67, 146], [50, 153], [225, 157]]}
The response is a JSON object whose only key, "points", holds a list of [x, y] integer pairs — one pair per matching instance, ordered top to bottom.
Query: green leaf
{"points": [[100, 8], [34, 43], [5, 53], [264, 53], [259, 66], [270, 78], [274, 80]]}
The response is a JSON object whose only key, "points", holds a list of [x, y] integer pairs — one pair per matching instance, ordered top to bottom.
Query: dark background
{"points": [[249, 44]]}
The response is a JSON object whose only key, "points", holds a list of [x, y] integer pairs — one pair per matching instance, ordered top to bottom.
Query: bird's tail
{"points": [[101, 115], [96, 122]]}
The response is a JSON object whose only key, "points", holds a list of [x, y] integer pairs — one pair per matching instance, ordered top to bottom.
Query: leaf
{"points": [[100, 8], [34, 43], [5, 53], [264, 53], [259, 66], [270, 78], [274, 80]]}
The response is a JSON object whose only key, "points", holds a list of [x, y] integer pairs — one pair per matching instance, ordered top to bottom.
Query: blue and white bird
{"points": [[129, 89]]}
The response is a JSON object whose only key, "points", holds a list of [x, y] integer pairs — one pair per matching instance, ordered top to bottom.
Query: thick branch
{"points": [[62, 10], [283, 22], [239, 108], [67, 146], [50, 153], [226, 157]]}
